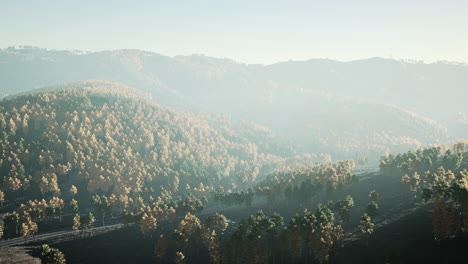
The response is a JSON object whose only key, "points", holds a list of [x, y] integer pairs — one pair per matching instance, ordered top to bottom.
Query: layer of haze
{"points": [[247, 31]]}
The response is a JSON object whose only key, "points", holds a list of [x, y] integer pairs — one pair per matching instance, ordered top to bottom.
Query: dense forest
{"points": [[348, 109], [109, 141], [194, 187]]}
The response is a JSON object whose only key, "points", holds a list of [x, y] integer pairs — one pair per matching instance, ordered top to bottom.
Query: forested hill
{"points": [[362, 108], [102, 138]]}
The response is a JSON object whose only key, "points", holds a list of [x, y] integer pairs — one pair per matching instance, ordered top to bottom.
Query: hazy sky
{"points": [[248, 31]]}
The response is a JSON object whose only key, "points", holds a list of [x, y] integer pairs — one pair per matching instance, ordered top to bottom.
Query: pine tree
{"points": [[73, 190], [2, 198], [76, 222], [366, 226], [160, 248], [51, 255], [180, 258]]}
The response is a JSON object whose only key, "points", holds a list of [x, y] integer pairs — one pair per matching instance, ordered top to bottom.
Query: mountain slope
{"points": [[411, 85], [363, 104], [102, 138]]}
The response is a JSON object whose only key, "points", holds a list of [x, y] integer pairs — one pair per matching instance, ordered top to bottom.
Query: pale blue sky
{"points": [[248, 31]]}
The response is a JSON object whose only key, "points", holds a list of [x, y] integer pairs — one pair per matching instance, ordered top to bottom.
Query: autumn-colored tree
{"points": [[13, 127], [135, 147], [412, 182], [14, 184], [49, 184], [175, 184], [44, 185], [73, 190], [2, 198], [55, 208], [35, 209], [171, 214], [217, 221], [76, 222], [148, 223], [189, 226], [28, 228], [33, 228], [24, 231], [209, 236], [324, 236], [325, 239], [211, 240], [51, 255], [179, 258]]}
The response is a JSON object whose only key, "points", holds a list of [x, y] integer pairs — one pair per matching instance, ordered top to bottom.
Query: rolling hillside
{"points": [[309, 103], [102, 137]]}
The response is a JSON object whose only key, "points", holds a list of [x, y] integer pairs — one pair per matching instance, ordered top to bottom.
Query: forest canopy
{"points": [[102, 137]]}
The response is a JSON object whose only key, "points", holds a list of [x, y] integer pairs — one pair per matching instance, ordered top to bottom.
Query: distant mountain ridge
{"points": [[311, 102]]}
